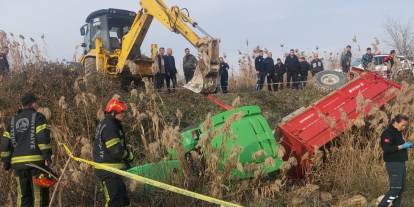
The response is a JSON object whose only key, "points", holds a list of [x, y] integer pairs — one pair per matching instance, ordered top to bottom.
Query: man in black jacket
{"points": [[346, 59], [316, 64], [305, 67], [293, 69], [261, 70], [270, 70], [280, 70], [170, 71], [224, 75], [26, 141], [110, 148], [395, 155]]}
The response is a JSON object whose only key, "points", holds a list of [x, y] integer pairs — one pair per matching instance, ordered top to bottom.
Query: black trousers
{"points": [[345, 69], [188, 74], [171, 78], [303, 79], [159, 80], [271, 80], [292, 80], [260, 81], [279, 81], [224, 83], [397, 178], [115, 191], [28, 194]]}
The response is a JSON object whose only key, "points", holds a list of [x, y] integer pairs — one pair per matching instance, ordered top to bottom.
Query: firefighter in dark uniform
{"points": [[26, 141], [109, 148], [395, 155]]}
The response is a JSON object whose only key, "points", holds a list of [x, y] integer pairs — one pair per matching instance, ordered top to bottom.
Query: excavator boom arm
{"points": [[176, 20]]}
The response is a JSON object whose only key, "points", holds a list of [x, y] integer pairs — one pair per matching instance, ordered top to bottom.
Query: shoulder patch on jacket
{"points": [[387, 140]]}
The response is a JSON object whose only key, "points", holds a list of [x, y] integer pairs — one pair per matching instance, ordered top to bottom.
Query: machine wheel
{"points": [[90, 65], [330, 80]]}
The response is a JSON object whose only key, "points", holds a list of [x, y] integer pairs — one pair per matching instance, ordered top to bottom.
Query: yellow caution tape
{"points": [[152, 182]]}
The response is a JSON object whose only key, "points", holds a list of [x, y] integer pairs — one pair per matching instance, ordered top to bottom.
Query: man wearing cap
{"points": [[25, 147], [110, 149]]}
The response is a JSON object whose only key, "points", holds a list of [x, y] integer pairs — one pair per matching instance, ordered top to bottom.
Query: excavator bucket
{"points": [[206, 73]]}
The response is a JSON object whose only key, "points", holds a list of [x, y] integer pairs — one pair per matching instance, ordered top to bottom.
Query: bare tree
{"points": [[401, 37]]}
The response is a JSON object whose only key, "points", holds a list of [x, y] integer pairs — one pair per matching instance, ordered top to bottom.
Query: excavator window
{"points": [[118, 27], [114, 38]]}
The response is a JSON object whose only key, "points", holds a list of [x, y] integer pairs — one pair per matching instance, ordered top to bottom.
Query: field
{"points": [[73, 103], [349, 172]]}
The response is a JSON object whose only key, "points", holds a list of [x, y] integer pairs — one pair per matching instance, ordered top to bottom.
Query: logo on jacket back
{"points": [[22, 125]]}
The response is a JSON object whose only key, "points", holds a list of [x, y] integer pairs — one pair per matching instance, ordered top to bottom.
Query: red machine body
{"points": [[308, 130]]}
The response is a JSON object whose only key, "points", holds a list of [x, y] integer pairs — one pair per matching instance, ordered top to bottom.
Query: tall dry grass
{"points": [[73, 103]]}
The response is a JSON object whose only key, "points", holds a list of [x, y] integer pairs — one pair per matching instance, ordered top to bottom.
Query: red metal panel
{"points": [[309, 129]]}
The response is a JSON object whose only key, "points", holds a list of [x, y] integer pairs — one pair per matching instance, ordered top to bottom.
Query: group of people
{"points": [[366, 60], [296, 68], [167, 71], [26, 149]]}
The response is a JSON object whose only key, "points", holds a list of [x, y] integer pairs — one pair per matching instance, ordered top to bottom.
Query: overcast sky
{"points": [[304, 24]]}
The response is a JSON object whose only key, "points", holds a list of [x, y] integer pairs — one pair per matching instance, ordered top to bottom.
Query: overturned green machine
{"points": [[250, 133]]}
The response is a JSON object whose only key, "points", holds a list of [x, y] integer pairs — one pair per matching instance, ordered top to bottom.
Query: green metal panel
{"points": [[251, 134], [160, 171]]}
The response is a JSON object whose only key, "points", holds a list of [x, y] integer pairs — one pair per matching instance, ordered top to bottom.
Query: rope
{"points": [[151, 182]]}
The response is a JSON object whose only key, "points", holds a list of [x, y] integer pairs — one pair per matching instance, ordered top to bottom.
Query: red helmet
{"points": [[115, 105], [44, 181]]}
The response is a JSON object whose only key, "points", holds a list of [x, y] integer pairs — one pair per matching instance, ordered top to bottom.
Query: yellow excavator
{"points": [[113, 39]]}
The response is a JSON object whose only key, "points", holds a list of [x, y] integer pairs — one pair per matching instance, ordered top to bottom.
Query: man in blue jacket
{"points": [[367, 59], [270, 70], [293, 70], [170, 71]]}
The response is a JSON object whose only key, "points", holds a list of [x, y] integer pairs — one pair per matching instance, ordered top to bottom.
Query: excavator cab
{"points": [[110, 25], [103, 39]]}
